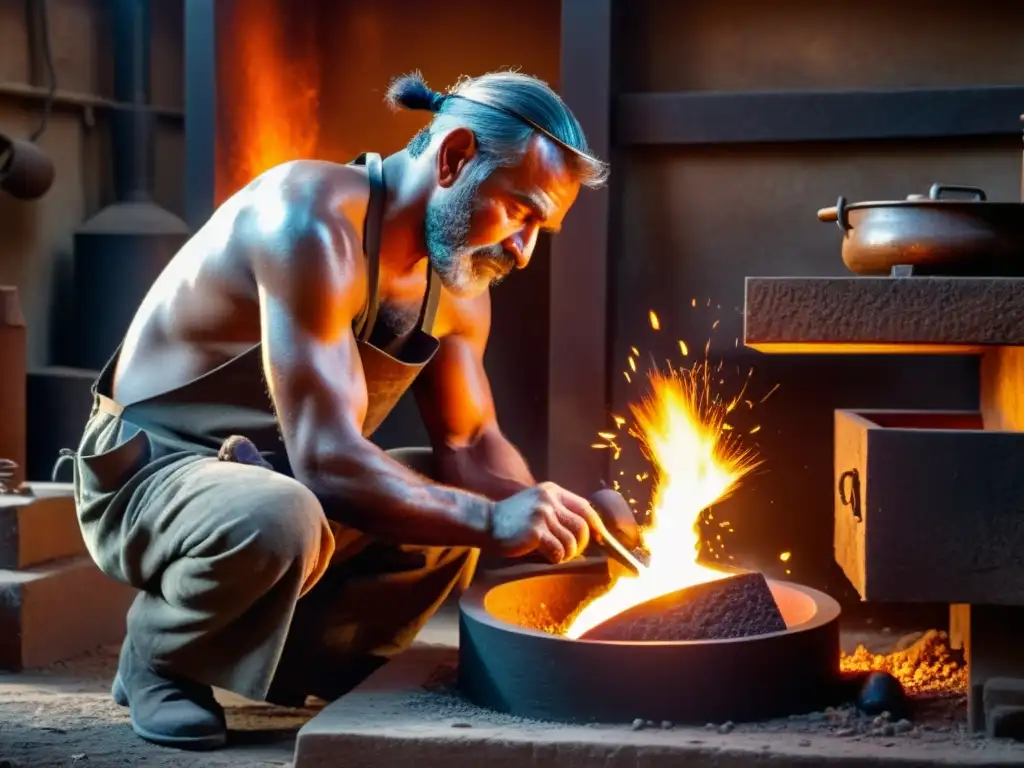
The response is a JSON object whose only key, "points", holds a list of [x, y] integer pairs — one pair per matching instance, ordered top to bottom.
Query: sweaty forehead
{"points": [[544, 176]]}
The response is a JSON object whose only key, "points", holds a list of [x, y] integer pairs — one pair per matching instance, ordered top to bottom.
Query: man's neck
{"points": [[402, 245]]}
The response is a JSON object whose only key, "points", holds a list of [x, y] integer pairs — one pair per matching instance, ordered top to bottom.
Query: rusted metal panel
{"points": [[929, 507]]}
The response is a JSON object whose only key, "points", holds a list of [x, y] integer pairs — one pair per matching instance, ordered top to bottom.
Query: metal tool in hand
{"points": [[610, 505]]}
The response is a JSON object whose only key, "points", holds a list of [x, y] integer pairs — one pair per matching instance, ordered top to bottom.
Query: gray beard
{"points": [[462, 270]]}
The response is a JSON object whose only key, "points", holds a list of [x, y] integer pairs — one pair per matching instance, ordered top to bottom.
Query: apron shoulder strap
{"points": [[371, 241], [433, 298]]}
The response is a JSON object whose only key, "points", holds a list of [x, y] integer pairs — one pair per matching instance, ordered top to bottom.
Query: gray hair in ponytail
{"points": [[504, 110]]}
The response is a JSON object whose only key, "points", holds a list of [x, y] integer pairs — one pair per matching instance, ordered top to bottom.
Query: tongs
{"points": [[611, 506]]}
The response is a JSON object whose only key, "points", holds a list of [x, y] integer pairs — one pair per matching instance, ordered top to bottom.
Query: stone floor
{"points": [[63, 716]]}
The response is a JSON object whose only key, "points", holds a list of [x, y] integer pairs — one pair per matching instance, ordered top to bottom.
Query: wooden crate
{"points": [[929, 507]]}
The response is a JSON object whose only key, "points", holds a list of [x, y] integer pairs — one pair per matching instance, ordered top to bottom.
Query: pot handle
{"points": [[936, 191], [836, 213]]}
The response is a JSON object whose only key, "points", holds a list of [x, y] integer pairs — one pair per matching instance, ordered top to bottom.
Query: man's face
{"points": [[481, 222]]}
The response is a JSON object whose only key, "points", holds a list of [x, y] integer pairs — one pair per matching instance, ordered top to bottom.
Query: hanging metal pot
{"points": [[25, 171], [934, 233]]}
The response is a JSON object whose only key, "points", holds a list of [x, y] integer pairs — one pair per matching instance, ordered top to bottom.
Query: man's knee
{"points": [[283, 525]]}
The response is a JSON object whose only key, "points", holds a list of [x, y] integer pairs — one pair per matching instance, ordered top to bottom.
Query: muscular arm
{"points": [[310, 290], [454, 398]]}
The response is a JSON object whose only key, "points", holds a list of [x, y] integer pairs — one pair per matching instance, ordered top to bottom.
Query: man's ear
{"points": [[456, 150]]}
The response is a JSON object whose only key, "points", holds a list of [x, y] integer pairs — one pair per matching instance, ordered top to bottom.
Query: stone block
{"points": [[883, 314], [929, 507], [38, 527], [57, 611], [407, 713]]}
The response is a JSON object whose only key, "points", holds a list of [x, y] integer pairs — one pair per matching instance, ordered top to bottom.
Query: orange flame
{"points": [[277, 92], [699, 462]]}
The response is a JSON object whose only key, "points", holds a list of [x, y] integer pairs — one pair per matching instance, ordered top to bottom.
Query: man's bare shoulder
{"points": [[304, 197], [304, 218], [465, 317]]}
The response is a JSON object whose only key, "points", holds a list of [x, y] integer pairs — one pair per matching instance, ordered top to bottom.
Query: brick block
{"points": [[882, 314], [12, 381], [39, 527], [737, 606], [57, 611]]}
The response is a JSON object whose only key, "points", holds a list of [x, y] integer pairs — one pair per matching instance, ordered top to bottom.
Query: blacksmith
{"points": [[226, 470]]}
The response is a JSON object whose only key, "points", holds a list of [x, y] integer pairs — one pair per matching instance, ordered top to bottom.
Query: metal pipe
{"points": [[84, 101], [132, 128]]}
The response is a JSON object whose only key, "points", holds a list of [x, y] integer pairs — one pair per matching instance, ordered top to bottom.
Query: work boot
{"points": [[169, 711]]}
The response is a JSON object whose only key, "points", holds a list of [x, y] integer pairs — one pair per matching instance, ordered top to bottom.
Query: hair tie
{"points": [[437, 101]]}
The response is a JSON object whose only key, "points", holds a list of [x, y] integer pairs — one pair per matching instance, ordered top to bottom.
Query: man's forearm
{"points": [[491, 466], [366, 489]]}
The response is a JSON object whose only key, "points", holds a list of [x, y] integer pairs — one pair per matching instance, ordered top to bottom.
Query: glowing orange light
{"points": [[681, 428]]}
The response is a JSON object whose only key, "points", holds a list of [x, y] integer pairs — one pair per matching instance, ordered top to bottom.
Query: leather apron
{"points": [[233, 399]]}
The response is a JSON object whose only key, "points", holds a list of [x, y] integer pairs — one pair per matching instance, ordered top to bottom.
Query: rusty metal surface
{"points": [[833, 313], [739, 606], [510, 661]]}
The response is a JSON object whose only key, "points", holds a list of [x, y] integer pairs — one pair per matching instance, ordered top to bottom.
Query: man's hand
{"points": [[545, 518]]}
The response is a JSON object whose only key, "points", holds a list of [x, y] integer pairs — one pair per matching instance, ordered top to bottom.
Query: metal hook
{"points": [[852, 498]]}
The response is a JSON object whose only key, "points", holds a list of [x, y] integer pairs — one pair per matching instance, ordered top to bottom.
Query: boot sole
{"points": [[196, 743]]}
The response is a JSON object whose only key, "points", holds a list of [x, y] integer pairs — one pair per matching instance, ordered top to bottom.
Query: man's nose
{"points": [[521, 247]]}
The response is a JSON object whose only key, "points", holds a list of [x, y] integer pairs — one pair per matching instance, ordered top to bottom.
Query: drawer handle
{"points": [[849, 491]]}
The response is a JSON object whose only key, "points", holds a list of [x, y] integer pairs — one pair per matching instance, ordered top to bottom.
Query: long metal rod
{"points": [[36, 93], [201, 111]]}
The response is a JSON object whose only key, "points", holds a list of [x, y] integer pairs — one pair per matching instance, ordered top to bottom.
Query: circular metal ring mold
{"points": [[509, 663]]}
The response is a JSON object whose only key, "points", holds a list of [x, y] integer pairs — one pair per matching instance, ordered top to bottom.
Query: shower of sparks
{"points": [[694, 381]]}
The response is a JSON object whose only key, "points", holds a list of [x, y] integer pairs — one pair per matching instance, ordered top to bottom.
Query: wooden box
{"points": [[929, 507]]}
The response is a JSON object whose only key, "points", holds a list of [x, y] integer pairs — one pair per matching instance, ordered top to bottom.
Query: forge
{"points": [[513, 658]]}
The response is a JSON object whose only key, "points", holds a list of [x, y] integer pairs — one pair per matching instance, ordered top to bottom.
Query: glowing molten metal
{"points": [[683, 431]]}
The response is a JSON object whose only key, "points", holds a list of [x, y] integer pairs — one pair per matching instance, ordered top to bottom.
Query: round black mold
{"points": [[509, 663]]}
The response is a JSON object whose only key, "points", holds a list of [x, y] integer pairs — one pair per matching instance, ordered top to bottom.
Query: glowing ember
{"points": [[682, 429]]}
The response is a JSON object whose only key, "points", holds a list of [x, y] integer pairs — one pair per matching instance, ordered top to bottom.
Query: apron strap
{"points": [[371, 240], [371, 247], [429, 311]]}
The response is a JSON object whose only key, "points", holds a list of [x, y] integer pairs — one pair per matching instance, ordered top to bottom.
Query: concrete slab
{"points": [[882, 314], [39, 527], [57, 611], [403, 715]]}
